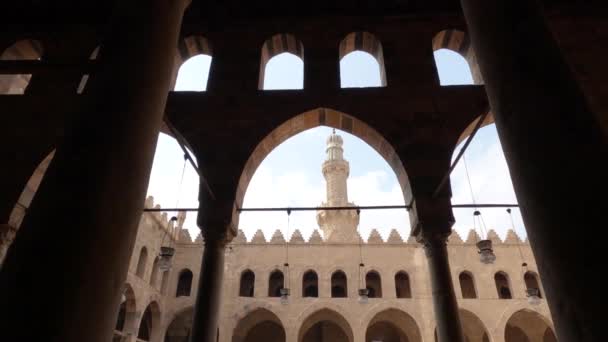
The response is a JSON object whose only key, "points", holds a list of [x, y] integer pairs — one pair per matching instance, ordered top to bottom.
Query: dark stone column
{"points": [[556, 155], [432, 220], [63, 276], [209, 295], [444, 298]]}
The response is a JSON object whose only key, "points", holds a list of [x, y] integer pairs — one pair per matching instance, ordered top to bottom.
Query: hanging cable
{"points": [[524, 264]]}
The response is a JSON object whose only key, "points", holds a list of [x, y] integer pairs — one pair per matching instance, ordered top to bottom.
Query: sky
{"points": [[291, 174]]}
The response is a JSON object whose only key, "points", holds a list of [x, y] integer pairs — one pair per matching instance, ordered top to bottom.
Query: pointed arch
{"points": [[365, 42], [458, 42], [276, 45], [27, 49], [196, 51], [315, 118], [142, 262], [531, 281], [276, 282], [184, 283], [373, 283], [247, 284], [310, 284], [339, 284], [402, 285], [467, 285], [503, 287], [125, 320], [325, 321], [260, 324], [393, 325], [528, 325], [149, 326], [472, 326]]}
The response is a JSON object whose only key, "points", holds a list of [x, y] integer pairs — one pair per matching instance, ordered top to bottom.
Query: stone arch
{"points": [[366, 42], [459, 42], [275, 45], [188, 47], [26, 49], [312, 119], [142, 261], [276, 281], [532, 281], [184, 283], [247, 283], [373, 283], [310, 284], [339, 284], [467, 284], [503, 285], [403, 286], [126, 318], [259, 324], [149, 325], [181, 325], [325, 325], [392, 325], [528, 326], [473, 328]]}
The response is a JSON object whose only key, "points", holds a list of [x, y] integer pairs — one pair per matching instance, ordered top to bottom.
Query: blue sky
{"points": [[291, 174]]}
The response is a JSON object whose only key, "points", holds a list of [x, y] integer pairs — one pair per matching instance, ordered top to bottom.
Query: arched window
{"points": [[21, 50], [455, 59], [361, 61], [194, 63], [282, 63], [141, 263], [154, 275], [531, 280], [164, 282], [184, 283], [275, 283], [247, 284], [310, 284], [373, 284], [402, 285], [467, 285], [502, 285], [339, 288], [148, 319]]}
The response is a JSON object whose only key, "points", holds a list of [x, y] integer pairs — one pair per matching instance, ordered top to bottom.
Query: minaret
{"points": [[337, 225]]}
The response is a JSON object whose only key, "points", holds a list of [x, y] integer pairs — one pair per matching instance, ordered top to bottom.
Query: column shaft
{"points": [[556, 153], [63, 276], [208, 298], [444, 298]]}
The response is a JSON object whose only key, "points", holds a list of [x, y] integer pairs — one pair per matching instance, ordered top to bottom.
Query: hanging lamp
{"points": [[165, 256], [285, 292], [532, 294]]}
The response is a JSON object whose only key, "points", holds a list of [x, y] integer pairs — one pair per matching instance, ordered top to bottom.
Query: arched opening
{"points": [[21, 50], [455, 59], [361, 61], [282, 63], [192, 64], [193, 74], [278, 173], [142, 262], [154, 275], [184, 283], [275, 283], [373, 283], [532, 283], [247, 284], [310, 284], [339, 285], [402, 285], [467, 285], [502, 285], [125, 320], [149, 324], [259, 325], [325, 325], [392, 325], [181, 326], [528, 326], [472, 327]]}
